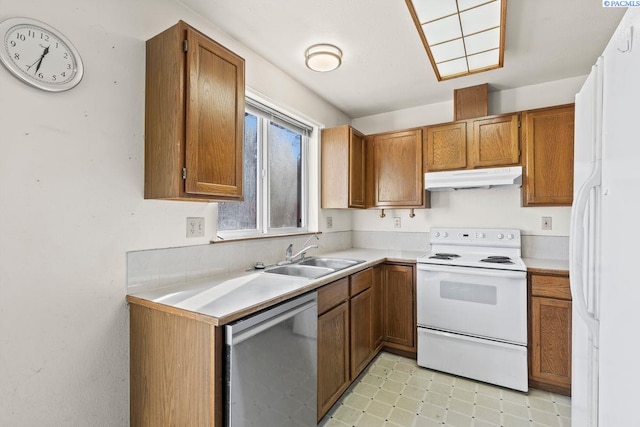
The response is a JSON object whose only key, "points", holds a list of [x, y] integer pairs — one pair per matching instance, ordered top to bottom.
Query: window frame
{"points": [[265, 116]]}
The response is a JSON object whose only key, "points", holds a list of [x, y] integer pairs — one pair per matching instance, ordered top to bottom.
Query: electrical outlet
{"points": [[329, 222], [396, 222], [546, 223], [195, 227]]}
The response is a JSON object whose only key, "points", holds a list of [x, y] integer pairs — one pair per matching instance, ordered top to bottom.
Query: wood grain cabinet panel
{"points": [[194, 125], [547, 136], [496, 141], [445, 147], [343, 168], [397, 169], [399, 307], [377, 327], [361, 331], [550, 333], [333, 356], [176, 370]]}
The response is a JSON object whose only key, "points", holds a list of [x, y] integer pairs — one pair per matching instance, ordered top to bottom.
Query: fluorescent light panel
{"points": [[461, 36]]}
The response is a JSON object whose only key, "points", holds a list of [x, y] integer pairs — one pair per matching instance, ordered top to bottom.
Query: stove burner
{"points": [[444, 256], [498, 260]]}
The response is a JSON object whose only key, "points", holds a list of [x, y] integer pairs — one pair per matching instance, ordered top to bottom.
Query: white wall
{"points": [[71, 206], [477, 208]]}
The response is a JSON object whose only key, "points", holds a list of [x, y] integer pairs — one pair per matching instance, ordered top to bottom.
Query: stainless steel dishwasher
{"points": [[271, 366]]}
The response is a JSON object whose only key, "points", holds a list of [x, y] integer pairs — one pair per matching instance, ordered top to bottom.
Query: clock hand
{"points": [[46, 50]]}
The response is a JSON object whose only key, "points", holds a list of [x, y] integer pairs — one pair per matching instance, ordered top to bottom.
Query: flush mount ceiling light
{"points": [[462, 37], [323, 57]]}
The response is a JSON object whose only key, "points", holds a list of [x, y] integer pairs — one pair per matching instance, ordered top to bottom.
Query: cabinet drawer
{"points": [[361, 281], [550, 287], [333, 294]]}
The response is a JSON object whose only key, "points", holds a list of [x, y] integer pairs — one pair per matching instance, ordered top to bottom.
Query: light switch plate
{"points": [[329, 222], [396, 222], [546, 223]]}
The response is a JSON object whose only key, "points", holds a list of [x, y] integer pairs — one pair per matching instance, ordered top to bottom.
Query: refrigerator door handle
{"points": [[576, 248]]}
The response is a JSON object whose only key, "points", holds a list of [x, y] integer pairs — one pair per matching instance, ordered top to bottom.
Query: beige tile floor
{"points": [[394, 391]]}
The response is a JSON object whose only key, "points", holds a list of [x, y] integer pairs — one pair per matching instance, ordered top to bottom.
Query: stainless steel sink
{"points": [[334, 263], [313, 268], [309, 271]]}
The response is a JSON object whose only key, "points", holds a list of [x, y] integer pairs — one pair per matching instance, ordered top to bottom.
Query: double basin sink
{"points": [[313, 267]]}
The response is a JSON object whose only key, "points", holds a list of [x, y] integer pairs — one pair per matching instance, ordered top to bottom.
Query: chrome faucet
{"points": [[291, 258]]}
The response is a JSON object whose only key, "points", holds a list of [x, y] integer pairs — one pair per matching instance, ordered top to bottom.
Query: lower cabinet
{"points": [[399, 307], [357, 316], [361, 316], [550, 332], [333, 343], [176, 368]]}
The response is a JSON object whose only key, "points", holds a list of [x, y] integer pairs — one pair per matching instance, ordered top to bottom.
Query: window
{"points": [[275, 176]]}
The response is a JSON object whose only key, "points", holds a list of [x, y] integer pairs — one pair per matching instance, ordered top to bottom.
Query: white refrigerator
{"points": [[605, 237]]}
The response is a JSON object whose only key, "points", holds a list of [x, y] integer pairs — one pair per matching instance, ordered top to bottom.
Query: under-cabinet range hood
{"points": [[473, 178]]}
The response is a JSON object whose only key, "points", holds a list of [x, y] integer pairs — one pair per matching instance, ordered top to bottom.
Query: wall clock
{"points": [[39, 55]]}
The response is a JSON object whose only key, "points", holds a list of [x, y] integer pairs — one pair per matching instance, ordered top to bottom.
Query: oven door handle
{"points": [[508, 274]]}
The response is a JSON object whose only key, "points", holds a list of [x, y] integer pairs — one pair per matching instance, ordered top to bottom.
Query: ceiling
{"points": [[385, 66]]}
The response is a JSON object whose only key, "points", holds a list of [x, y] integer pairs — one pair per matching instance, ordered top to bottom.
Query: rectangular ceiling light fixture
{"points": [[462, 37]]}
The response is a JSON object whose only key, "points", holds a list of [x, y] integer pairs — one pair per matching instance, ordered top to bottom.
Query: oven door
{"points": [[479, 302]]}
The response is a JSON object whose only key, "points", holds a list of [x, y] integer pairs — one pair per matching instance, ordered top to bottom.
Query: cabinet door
{"points": [[214, 118], [547, 136], [495, 141], [446, 147], [343, 168], [397, 169], [356, 170], [399, 319], [377, 326], [361, 333], [550, 352], [333, 356]]}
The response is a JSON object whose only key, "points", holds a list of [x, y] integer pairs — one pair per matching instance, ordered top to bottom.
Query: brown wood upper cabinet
{"points": [[194, 113], [547, 137], [495, 141], [474, 143], [446, 147], [343, 168], [397, 179], [550, 332]]}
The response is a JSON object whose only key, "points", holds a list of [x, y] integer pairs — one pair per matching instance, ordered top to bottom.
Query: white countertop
{"points": [[547, 264], [231, 296]]}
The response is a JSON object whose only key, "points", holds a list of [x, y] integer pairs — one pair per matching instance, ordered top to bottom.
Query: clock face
{"points": [[39, 55]]}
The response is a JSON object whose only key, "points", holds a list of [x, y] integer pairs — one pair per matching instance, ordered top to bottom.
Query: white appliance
{"points": [[475, 178], [604, 237], [472, 306]]}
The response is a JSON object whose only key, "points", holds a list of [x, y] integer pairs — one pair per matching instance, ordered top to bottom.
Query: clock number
{"points": [[32, 35], [21, 37], [44, 37], [13, 43], [66, 55], [16, 56], [68, 66], [63, 74], [40, 75], [54, 77]]}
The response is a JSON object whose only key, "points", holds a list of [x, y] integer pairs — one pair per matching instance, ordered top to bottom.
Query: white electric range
{"points": [[472, 306]]}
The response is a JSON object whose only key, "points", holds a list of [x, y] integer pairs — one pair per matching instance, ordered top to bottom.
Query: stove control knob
{"points": [[436, 234], [445, 234], [479, 235], [500, 236], [510, 236]]}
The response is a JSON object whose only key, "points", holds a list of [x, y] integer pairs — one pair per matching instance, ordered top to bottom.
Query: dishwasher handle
{"points": [[243, 335]]}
